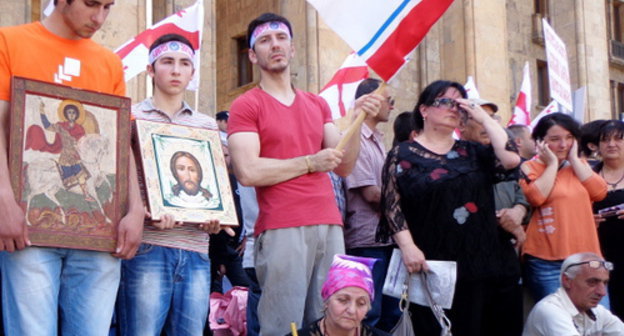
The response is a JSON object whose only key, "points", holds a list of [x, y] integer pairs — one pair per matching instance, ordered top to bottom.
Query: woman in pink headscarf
{"points": [[348, 293]]}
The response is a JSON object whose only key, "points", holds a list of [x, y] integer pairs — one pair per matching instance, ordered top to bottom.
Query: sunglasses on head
{"points": [[593, 264]]}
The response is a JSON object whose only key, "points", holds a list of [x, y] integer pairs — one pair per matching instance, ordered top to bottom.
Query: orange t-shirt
{"points": [[31, 51], [562, 222]]}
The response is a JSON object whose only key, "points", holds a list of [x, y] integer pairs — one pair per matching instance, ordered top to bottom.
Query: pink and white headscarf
{"points": [[266, 27], [171, 47], [349, 271]]}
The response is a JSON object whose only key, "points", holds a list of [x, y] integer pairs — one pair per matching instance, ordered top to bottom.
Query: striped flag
{"points": [[187, 22], [382, 32], [339, 92], [522, 110]]}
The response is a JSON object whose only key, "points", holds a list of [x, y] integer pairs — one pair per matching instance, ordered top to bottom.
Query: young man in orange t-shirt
{"points": [[38, 283]]}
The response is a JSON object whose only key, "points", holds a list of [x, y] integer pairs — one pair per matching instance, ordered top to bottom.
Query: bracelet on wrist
{"points": [[309, 164]]}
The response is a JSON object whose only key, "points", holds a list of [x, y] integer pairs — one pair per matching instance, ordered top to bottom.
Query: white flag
{"points": [[49, 8], [382, 32], [471, 89], [339, 92], [551, 108], [522, 110]]}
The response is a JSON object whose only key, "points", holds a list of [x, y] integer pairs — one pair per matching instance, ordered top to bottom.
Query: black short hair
{"points": [[68, 2], [264, 18], [171, 37], [367, 86], [430, 93], [222, 115], [556, 119], [403, 127], [611, 128], [590, 134]]}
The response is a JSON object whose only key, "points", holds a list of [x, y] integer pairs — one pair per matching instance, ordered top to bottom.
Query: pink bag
{"points": [[228, 312]]}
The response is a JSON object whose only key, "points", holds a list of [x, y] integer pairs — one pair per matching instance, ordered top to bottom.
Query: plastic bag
{"points": [[228, 312]]}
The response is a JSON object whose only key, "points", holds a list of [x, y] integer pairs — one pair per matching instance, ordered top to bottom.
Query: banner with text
{"points": [[558, 71]]}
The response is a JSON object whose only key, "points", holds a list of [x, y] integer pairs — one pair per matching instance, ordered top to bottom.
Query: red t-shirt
{"points": [[286, 132]]}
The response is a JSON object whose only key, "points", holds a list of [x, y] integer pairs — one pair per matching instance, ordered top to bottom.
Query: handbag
{"points": [[445, 323], [404, 327]]}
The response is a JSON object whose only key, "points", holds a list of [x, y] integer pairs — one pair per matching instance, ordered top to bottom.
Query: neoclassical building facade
{"points": [[489, 40]]}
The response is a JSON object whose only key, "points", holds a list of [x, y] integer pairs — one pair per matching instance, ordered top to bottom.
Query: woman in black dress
{"points": [[439, 205], [611, 227]]}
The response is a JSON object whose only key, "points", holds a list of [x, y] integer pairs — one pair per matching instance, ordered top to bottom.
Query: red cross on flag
{"points": [[187, 22], [339, 92], [522, 110]]}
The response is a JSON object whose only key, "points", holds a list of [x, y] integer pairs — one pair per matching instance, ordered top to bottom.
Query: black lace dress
{"points": [[447, 203], [611, 234], [314, 329]]}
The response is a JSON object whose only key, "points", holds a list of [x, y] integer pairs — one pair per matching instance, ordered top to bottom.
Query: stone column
{"points": [[14, 12], [486, 46], [593, 57]]}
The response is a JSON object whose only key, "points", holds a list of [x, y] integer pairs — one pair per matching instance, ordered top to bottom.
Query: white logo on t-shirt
{"points": [[71, 67]]}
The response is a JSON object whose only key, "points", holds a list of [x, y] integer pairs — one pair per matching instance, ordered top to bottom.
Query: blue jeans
{"points": [[543, 277], [42, 287], [164, 289], [384, 313]]}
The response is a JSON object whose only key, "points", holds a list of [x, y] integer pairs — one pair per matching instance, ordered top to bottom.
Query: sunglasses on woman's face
{"points": [[448, 103], [593, 264]]}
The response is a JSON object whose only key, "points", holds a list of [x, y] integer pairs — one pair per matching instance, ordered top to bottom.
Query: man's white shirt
{"points": [[556, 315]]}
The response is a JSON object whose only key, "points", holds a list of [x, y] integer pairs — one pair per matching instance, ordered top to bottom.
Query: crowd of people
{"points": [[513, 207]]}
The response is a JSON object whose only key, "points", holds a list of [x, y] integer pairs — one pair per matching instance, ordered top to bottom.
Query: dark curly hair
{"points": [[429, 94]]}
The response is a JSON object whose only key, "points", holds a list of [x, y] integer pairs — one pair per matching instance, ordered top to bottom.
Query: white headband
{"points": [[261, 29], [171, 46]]}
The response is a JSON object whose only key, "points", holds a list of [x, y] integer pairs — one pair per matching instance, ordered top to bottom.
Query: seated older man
{"points": [[573, 309]]}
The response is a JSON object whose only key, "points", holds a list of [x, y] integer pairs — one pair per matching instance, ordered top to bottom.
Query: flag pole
{"points": [[149, 21], [357, 123]]}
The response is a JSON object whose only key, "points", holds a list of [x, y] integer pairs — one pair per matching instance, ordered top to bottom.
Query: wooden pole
{"points": [[357, 123]]}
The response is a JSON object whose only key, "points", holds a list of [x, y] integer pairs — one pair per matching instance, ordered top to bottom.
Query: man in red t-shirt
{"points": [[281, 141]]}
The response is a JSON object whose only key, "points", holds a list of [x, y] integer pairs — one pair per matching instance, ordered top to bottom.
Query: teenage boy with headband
{"points": [[282, 142], [166, 286]]}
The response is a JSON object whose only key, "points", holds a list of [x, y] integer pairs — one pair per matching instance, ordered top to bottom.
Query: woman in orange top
{"points": [[561, 188]]}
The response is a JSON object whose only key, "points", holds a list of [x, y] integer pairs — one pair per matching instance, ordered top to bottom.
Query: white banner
{"points": [[558, 71]]}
